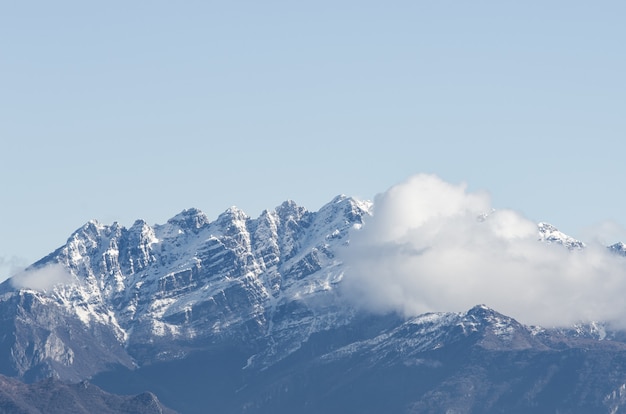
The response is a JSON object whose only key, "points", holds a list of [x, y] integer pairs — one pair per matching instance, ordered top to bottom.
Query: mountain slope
{"points": [[156, 293], [246, 314], [478, 361], [475, 362], [54, 397]]}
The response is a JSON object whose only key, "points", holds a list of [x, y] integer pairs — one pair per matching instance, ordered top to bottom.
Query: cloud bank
{"points": [[429, 246], [43, 278]]}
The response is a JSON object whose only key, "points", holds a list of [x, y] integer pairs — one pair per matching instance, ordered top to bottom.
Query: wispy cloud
{"points": [[606, 232], [425, 250], [10, 265], [43, 278]]}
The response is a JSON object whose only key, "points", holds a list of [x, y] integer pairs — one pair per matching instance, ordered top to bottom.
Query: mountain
{"points": [[550, 234], [157, 293], [246, 314], [477, 361], [474, 362], [51, 396]]}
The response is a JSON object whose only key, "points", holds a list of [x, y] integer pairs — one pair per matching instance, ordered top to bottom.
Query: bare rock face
{"points": [[42, 339]]}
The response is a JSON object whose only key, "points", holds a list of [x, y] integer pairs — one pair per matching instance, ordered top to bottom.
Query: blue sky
{"points": [[123, 110]]}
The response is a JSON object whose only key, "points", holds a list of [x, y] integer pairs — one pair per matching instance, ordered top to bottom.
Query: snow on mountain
{"points": [[550, 234], [266, 284], [489, 329]]}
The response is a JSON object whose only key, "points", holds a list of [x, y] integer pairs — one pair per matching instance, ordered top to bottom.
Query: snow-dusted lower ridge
{"points": [[488, 328]]}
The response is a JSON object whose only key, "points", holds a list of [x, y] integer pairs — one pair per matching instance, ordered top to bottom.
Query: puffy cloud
{"points": [[434, 246], [43, 278]]}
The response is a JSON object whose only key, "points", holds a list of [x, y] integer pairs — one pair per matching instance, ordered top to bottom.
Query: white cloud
{"points": [[425, 250], [10, 265], [43, 278]]}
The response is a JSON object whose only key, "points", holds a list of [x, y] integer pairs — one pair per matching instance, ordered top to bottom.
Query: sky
{"points": [[123, 110]]}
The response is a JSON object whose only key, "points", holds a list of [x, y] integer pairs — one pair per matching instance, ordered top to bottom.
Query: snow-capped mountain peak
{"points": [[189, 219], [550, 234]]}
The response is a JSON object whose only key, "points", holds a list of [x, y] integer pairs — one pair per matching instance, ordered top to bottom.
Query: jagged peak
{"points": [[339, 198], [344, 199], [288, 205], [351, 209], [290, 210], [189, 212], [235, 212], [232, 213], [190, 218], [93, 224], [138, 224], [543, 226], [92, 228], [140, 230], [550, 234], [481, 310], [486, 314], [490, 317]]}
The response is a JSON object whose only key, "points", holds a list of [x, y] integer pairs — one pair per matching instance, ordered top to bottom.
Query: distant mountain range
{"points": [[246, 314]]}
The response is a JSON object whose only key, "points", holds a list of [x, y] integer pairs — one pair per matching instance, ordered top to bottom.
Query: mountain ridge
{"points": [[156, 284], [256, 299]]}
